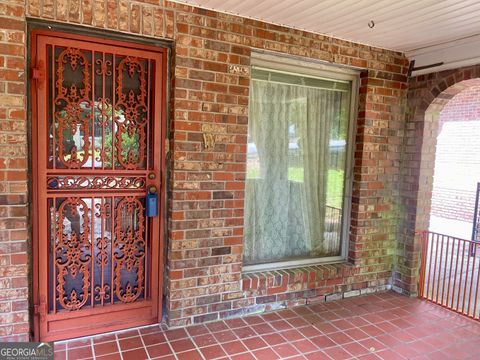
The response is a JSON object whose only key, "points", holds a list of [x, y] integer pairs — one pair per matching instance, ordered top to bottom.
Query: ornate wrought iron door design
{"points": [[99, 121]]}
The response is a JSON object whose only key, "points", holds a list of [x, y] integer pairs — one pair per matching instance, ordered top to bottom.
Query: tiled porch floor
{"points": [[379, 326]]}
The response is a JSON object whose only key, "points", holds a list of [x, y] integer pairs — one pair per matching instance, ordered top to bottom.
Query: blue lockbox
{"points": [[152, 204]]}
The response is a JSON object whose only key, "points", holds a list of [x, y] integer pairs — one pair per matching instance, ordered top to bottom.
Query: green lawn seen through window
{"points": [[334, 182]]}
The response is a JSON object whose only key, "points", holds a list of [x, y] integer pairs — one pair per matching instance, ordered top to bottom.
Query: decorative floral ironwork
{"points": [[103, 67], [72, 104], [133, 107], [104, 108], [100, 128], [71, 182], [102, 212], [103, 249], [72, 253], [129, 253], [102, 293]]}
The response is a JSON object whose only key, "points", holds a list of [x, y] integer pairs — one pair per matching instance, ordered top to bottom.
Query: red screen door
{"points": [[98, 125]]}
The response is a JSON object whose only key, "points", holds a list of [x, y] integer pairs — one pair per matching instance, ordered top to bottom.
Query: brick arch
{"points": [[427, 95]]}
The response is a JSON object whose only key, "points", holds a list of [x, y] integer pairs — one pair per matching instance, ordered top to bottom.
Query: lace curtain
{"points": [[286, 186]]}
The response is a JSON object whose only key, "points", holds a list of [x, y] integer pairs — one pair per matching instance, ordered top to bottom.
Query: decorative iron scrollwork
{"points": [[104, 67], [72, 105], [133, 119], [100, 127], [95, 182], [102, 212], [103, 244], [129, 249], [73, 253], [102, 292]]}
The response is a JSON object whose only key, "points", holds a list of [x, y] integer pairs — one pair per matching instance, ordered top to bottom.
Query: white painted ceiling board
{"points": [[403, 25]]}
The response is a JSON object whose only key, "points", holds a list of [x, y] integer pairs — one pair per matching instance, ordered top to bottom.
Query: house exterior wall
{"points": [[209, 98], [457, 164]]}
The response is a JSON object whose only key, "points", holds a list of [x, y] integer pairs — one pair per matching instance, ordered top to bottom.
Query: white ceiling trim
{"points": [[452, 54]]}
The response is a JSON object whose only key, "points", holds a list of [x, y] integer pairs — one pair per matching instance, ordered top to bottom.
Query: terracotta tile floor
{"points": [[380, 326]]}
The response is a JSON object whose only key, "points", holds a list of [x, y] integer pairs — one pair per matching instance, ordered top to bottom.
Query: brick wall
{"points": [[427, 96], [465, 106], [457, 164], [13, 171], [207, 192], [206, 196], [454, 204]]}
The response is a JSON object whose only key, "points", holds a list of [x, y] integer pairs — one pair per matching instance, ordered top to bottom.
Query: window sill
{"points": [[293, 264], [261, 283]]}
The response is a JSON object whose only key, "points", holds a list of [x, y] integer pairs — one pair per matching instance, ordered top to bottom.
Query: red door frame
{"points": [[38, 72]]}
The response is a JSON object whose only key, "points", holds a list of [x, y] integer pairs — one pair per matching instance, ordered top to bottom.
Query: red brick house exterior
{"points": [[209, 91]]}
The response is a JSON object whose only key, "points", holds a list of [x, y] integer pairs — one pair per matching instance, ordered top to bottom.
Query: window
{"points": [[297, 193]]}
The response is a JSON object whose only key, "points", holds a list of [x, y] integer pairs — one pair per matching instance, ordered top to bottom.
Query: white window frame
{"points": [[317, 69]]}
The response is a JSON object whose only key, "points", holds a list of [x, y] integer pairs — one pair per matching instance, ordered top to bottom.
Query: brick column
{"points": [[209, 163]]}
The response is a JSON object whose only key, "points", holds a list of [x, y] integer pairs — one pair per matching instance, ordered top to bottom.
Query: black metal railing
{"points": [[333, 220]]}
